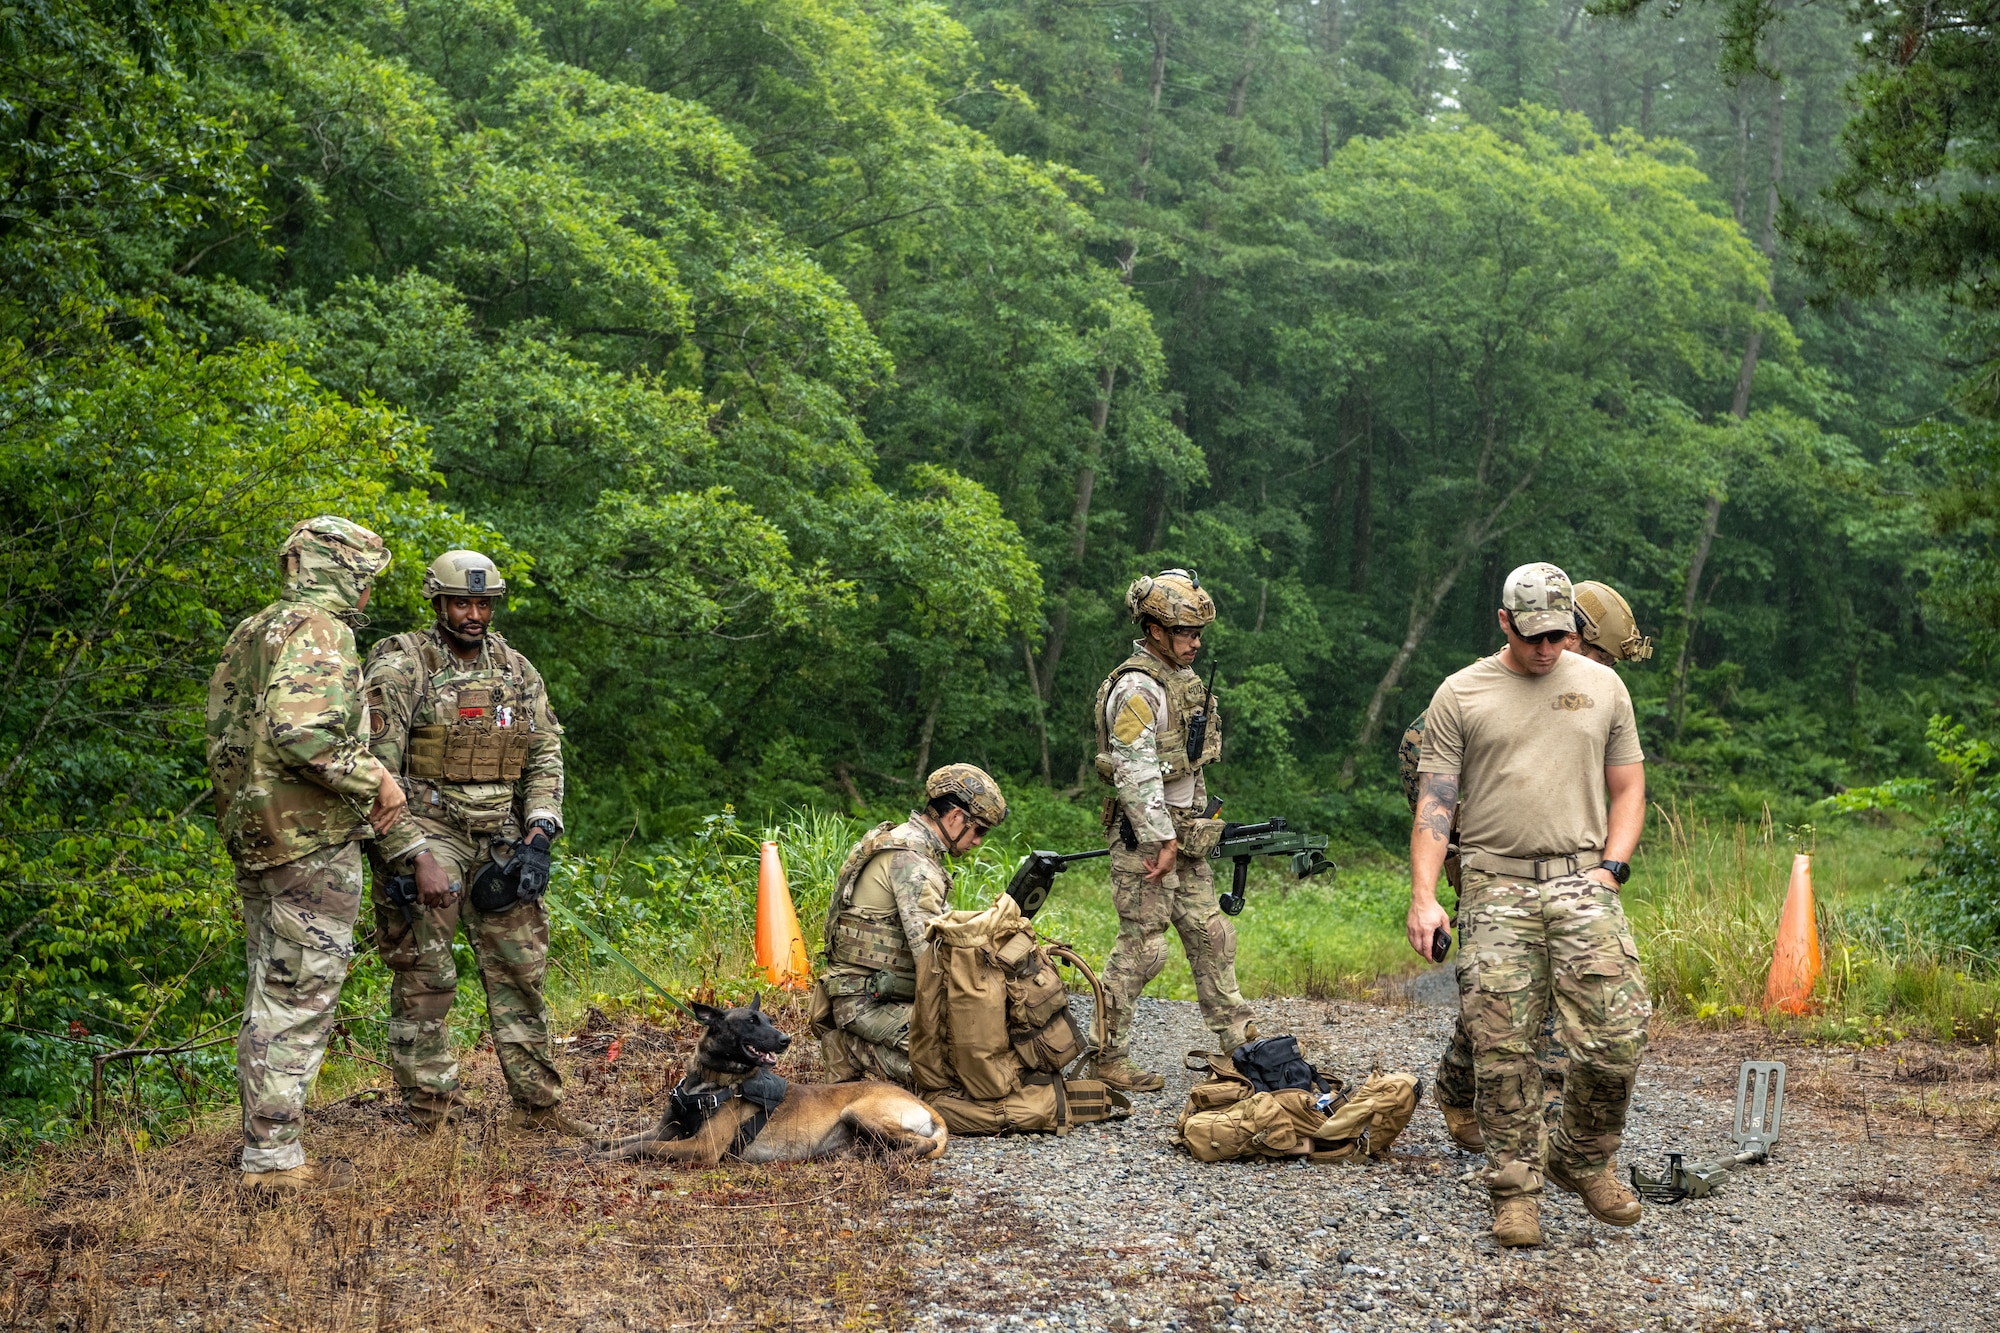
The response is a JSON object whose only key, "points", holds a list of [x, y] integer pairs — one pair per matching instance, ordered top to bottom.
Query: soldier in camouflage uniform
{"points": [[1606, 634], [464, 721], [1147, 749], [1521, 751], [296, 791], [890, 887]]}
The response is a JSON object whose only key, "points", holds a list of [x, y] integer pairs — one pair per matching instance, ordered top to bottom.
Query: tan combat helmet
{"points": [[463, 574], [1172, 597], [1605, 619], [973, 786]]}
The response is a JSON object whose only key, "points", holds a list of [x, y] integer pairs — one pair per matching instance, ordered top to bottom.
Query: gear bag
{"points": [[991, 1030], [1273, 1064], [1227, 1118]]}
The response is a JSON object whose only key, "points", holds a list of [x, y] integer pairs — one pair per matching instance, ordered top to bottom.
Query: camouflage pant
{"points": [[1185, 897], [298, 938], [1528, 945], [511, 949], [869, 1036], [1455, 1084]]}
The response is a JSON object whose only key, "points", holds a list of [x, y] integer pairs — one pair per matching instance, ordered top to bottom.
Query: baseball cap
{"points": [[1539, 599]]}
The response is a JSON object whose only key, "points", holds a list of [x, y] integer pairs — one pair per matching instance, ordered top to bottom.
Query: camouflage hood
{"points": [[329, 562]]}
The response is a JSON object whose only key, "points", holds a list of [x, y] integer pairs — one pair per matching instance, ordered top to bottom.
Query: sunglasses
{"points": [[1185, 631]]}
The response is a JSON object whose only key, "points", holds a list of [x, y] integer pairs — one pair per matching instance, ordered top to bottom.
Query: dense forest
{"points": [[822, 370]]}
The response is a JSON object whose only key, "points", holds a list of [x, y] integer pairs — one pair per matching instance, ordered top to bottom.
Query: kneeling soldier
{"points": [[465, 721], [891, 885]]}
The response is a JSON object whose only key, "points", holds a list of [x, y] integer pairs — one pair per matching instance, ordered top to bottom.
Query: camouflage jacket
{"points": [[417, 688], [1142, 724], [286, 753], [894, 877]]}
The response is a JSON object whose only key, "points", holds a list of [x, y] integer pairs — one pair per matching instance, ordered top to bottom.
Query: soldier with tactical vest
{"points": [[1606, 633], [464, 720], [1157, 728], [296, 792], [892, 884]]}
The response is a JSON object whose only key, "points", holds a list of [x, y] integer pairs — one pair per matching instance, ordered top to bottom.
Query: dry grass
{"points": [[474, 1230]]}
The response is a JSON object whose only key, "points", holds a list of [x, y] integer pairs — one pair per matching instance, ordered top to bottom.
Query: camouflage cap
{"points": [[337, 542], [463, 574], [1172, 597], [1537, 598], [1605, 619], [973, 786]]}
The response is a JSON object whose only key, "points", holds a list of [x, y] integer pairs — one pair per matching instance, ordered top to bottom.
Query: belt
{"points": [[1536, 868]]}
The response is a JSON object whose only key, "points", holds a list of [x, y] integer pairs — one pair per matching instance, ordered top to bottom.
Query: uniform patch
{"points": [[1571, 701], [1133, 720]]}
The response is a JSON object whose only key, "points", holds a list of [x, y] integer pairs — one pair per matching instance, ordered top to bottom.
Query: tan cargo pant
{"points": [[1186, 898], [298, 942], [1527, 946], [511, 949]]}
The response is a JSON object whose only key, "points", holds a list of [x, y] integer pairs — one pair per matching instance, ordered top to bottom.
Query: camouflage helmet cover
{"points": [[332, 543], [463, 574], [1172, 597], [1605, 619], [973, 786]]}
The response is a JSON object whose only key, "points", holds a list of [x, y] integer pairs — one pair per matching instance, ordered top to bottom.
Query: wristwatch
{"points": [[1620, 870]]}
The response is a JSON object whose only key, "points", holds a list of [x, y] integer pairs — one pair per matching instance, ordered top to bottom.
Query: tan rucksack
{"points": [[991, 1031], [1226, 1119]]}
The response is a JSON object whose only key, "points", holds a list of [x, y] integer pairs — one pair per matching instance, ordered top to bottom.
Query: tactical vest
{"points": [[1186, 696], [488, 739], [853, 940]]}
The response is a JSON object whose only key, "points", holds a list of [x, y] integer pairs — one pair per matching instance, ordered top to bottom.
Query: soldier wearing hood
{"points": [[296, 793]]}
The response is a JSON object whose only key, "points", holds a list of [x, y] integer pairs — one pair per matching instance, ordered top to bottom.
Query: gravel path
{"points": [[1112, 1228]]}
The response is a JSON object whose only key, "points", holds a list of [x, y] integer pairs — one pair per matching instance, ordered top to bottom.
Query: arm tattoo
{"points": [[1437, 804]]}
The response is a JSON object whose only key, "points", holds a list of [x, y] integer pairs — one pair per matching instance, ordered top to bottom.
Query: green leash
{"points": [[612, 949]]}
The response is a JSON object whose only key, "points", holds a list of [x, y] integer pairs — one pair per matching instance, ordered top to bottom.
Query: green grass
{"points": [[1704, 902]]}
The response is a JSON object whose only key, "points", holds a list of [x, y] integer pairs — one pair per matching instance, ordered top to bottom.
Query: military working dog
{"points": [[732, 1104]]}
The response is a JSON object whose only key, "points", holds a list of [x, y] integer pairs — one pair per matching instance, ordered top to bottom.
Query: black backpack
{"points": [[1274, 1063]]}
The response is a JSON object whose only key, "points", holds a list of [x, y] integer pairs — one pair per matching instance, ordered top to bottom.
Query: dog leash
{"points": [[612, 949]]}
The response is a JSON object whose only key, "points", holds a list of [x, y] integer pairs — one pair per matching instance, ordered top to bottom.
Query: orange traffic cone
{"points": [[781, 948], [1795, 961]]}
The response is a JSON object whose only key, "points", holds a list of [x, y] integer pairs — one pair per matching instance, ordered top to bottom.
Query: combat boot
{"points": [[1230, 1038], [1119, 1072], [431, 1119], [551, 1120], [1463, 1125], [300, 1181], [1607, 1200], [1517, 1221]]}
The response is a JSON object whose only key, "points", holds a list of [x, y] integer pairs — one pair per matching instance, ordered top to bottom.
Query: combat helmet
{"points": [[463, 574], [1173, 597], [1605, 619], [974, 787]]}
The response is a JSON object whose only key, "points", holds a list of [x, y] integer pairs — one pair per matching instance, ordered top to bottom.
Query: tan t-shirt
{"points": [[1530, 753]]}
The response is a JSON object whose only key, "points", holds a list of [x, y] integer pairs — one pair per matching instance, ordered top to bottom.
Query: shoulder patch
{"points": [[1133, 720]]}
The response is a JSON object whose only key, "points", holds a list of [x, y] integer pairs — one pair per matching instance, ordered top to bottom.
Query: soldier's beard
{"points": [[469, 642]]}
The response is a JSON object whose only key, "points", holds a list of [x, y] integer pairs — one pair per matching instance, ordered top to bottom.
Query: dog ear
{"points": [[757, 1002], [707, 1013]]}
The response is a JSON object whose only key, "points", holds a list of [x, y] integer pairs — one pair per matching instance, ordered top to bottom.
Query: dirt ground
{"points": [[484, 1230]]}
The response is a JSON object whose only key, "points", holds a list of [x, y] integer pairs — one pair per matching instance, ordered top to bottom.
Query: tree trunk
{"points": [[1739, 407], [1086, 482], [1364, 510], [1423, 610], [1041, 709], [930, 729]]}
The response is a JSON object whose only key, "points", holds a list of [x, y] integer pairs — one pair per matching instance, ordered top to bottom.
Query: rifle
{"points": [[1240, 842], [1036, 876]]}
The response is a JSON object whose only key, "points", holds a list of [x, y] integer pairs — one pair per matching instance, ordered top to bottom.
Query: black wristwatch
{"points": [[1620, 870]]}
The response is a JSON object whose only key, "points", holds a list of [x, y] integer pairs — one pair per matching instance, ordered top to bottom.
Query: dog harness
{"points": [[688, 1110]]}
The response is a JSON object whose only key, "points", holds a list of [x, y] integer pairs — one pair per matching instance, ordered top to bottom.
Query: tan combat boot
{"points": [[1119, 1072], [431, 1119], [551, 1120], [1463, 1125], [300, 1181], [1607, 1200], [1517, 1221]]}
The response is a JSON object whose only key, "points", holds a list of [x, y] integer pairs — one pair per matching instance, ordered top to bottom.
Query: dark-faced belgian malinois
{"points": [[814, 1120]]}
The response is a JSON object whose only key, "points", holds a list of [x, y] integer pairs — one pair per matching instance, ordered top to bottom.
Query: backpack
{"points": [[991, 1032], [1273, 1064], [1227, 1117]]}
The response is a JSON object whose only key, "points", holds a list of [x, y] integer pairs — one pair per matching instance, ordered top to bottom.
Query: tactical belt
{"points": [[1539, 868]]}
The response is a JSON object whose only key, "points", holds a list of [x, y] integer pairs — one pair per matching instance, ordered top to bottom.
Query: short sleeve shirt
{"points": [[1530, 753]]}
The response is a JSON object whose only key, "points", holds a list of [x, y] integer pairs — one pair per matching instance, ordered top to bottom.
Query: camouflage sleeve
{"points": [[390, 682], [313, 703], [1132, 714], [542, 774], [922, 892]]}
